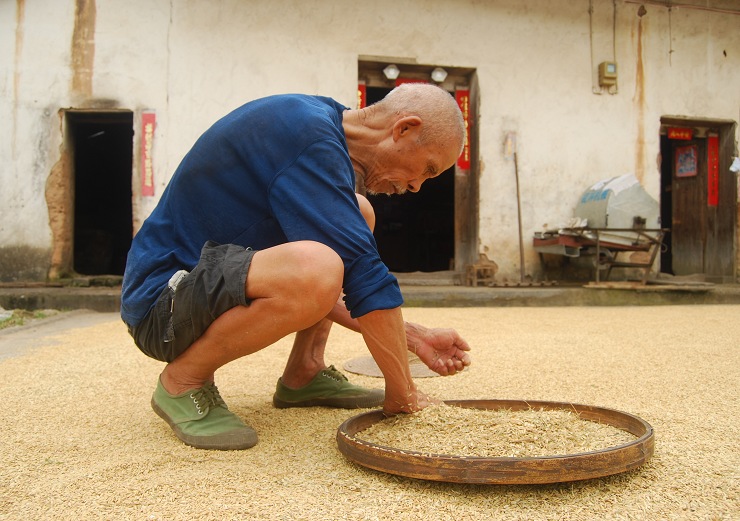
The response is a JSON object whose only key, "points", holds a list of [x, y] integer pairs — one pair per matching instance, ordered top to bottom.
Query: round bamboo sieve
{"points": [[504, 470]]}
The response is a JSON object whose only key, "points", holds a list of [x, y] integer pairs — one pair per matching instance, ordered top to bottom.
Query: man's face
{"points": [[405, 166]]}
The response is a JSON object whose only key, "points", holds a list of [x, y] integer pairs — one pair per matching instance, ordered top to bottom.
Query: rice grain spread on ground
{"points": [[80, 440]]}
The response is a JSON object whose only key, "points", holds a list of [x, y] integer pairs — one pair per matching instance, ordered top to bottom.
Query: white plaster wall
{"points": [[192, 61], [132, 67], [35, 77]]}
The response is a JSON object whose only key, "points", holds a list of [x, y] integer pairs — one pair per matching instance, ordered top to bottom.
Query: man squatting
{"points": [[260, 234]]}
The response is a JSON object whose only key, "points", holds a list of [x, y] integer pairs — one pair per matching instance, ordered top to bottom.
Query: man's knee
{"points": [[367, 211], [322, 261], [319, 271]]}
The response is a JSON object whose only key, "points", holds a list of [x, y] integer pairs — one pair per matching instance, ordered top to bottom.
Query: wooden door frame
{"points": [[728, 203], [466, 211]]}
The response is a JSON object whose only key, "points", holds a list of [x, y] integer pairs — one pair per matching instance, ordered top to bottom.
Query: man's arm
{"points": [[340, 315], [385, 335], [444, 351]]}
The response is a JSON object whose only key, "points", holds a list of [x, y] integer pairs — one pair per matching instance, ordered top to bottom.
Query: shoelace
{"points": [[332, 372], [207, 395]]}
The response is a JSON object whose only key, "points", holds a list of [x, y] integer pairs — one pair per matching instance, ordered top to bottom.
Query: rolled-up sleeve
{"points": [[369, 286]]}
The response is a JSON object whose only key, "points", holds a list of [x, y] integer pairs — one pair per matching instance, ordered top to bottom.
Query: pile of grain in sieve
{"points": [[445, 429]]}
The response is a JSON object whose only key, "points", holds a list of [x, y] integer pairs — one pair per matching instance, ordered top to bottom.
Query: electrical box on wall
{"points": [[607, 74]]}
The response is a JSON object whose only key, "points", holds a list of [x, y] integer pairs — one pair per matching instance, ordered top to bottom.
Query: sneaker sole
{"points": [[355, 402], [219, 442]]}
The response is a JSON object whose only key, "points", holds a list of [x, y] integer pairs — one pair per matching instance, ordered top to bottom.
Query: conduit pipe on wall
{"points": [[594, 88]]}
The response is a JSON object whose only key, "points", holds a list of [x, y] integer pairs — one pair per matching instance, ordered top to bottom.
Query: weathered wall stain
{"points": [[20, 16], [83, 47], [639, 100], [59, 191], [59, 200], [23, 263]]}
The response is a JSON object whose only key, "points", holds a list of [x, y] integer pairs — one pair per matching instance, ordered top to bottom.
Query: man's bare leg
{"points": [[292, 287], [306, 358]]}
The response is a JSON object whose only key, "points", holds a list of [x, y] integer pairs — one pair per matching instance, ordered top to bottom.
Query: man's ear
{"points": [[407, 125]]}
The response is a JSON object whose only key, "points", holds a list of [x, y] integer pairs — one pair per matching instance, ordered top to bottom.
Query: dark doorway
{"points": [[102, 151], [666, 204], [416, 231]]}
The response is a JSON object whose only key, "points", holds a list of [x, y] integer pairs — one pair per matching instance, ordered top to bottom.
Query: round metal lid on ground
{"points": [[366, 366], [504, 470]]}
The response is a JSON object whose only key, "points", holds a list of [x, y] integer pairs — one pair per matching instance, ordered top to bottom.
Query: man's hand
{"points": [[442, 350], [415, 402]]}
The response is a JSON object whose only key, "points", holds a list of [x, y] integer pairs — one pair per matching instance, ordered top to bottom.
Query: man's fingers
{"points": [[462, 345], [451, 366], [441, 369]]}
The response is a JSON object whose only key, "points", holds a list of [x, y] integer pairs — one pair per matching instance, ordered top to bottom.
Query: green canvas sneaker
{"points": [[329, 388], [201, 419]]}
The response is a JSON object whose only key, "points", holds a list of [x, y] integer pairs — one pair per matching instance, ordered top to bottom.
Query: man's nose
{"points": [[414, 185]]}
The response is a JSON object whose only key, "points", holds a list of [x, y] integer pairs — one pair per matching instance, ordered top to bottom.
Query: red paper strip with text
{"points": [[463, 100], [148, 122], [713, 171]]}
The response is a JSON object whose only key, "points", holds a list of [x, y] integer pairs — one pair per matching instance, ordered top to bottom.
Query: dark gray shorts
{"points": [[181, 315]]}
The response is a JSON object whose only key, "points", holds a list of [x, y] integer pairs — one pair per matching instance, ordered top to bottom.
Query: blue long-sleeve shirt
{"points": [[275, 170]]}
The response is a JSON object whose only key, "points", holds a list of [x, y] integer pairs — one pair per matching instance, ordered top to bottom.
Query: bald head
{"points": [[442, 120]]}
